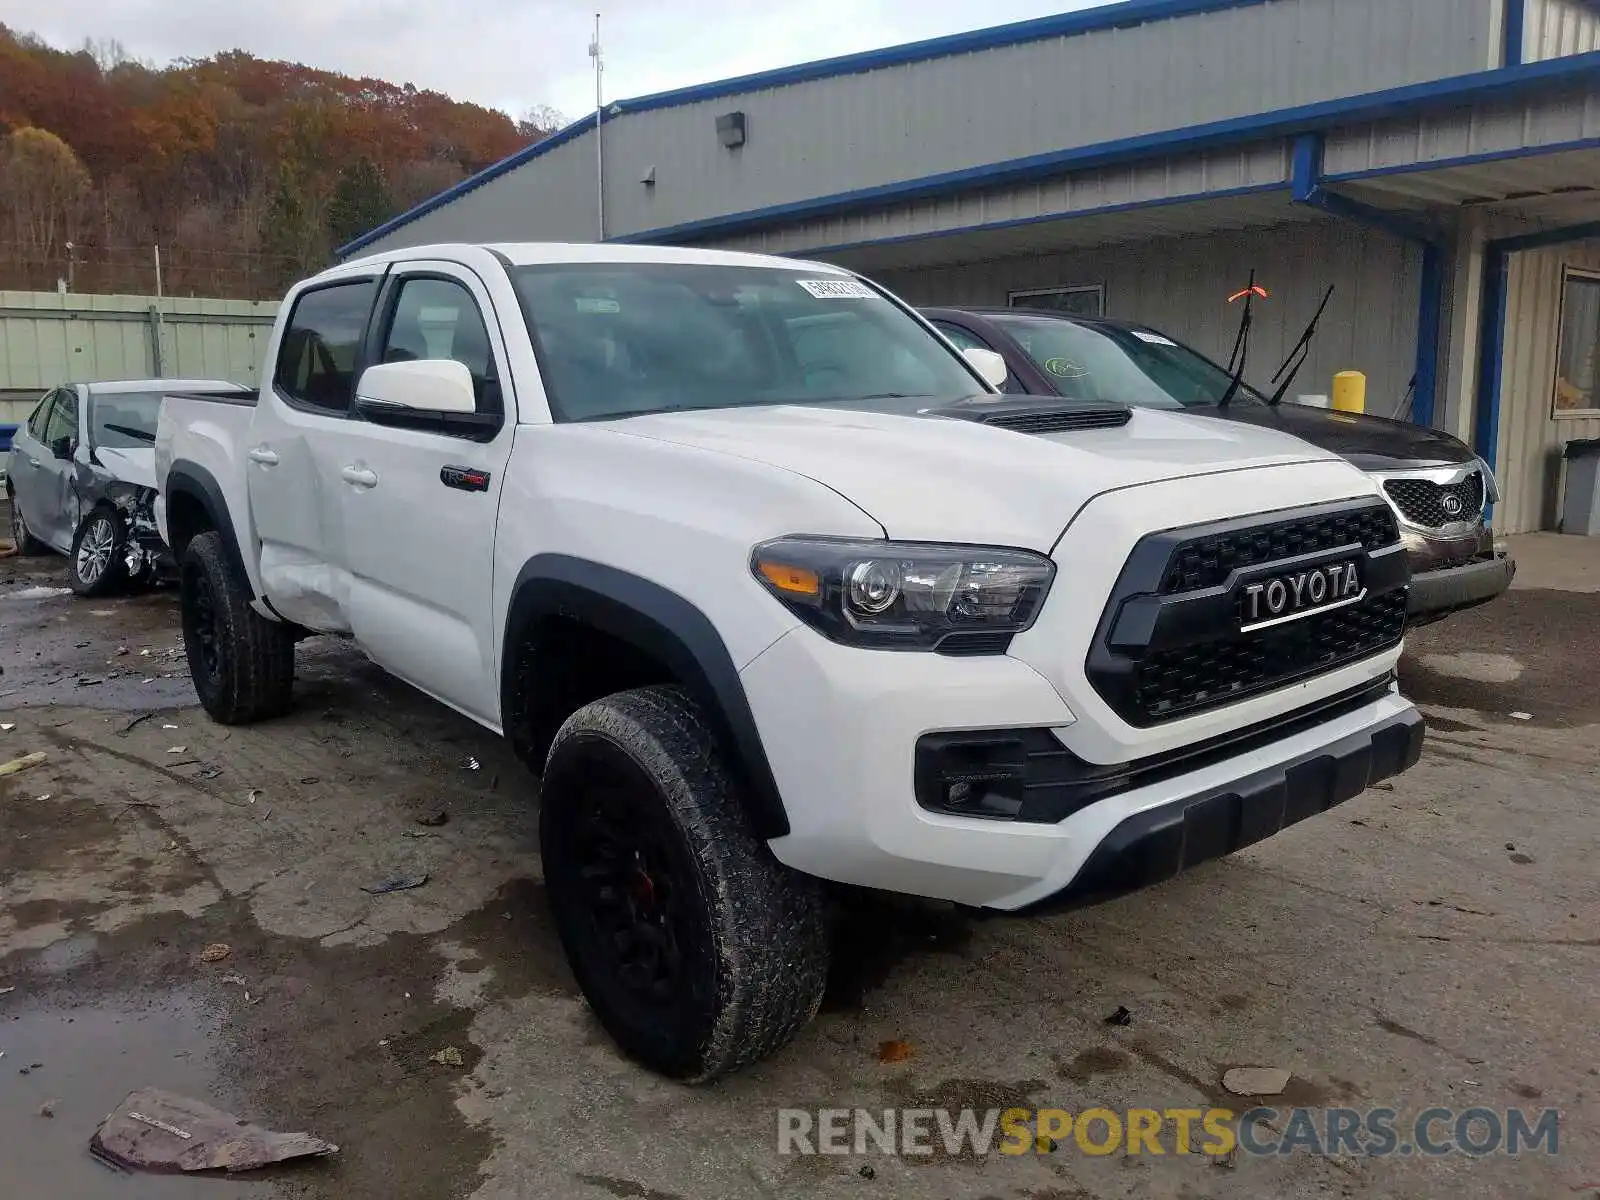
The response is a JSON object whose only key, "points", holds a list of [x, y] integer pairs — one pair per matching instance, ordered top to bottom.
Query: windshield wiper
{"points": [[1241, 343], [1302, 350], [128, 431]]}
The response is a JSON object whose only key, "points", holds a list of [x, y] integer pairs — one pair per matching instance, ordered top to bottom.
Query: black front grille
{"points": [[1427, 503], [1207, 561], [1170, 642], [1170, 683]]}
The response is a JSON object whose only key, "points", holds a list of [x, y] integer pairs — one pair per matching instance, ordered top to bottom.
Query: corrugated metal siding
{"points": [[1557, 28], [1544, 120], [904, 122], [1083, 191], [551, 199], [1181, 286], [47, 339], [1529, 450]]}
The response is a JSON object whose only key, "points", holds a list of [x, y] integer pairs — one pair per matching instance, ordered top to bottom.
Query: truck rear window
{"points": [[317, 359]]}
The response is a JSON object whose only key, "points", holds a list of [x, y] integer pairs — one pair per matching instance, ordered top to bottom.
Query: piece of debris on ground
{"points": [[396, 883], [1256, 1081], [155, 1130]]}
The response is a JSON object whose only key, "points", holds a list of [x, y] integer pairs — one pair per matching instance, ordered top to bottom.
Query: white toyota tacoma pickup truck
{"points": [[772, 587]]}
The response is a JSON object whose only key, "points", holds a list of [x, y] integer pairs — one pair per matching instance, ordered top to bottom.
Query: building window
{"points": [[1082, 300], [1578, 351]]}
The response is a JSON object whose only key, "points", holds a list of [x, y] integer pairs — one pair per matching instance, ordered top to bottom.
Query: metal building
{"points": [[1436, 160]]}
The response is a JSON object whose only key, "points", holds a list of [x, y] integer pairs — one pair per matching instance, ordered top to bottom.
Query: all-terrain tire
{"points": [[26, 543], [98, 564], [242, 664], [740, 942]]}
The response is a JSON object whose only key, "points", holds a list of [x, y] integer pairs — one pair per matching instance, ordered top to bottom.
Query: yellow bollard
{"points": [[1350, 392]]}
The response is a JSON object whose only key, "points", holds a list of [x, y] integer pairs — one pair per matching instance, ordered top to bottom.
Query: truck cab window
{"points": [[438, 318], [317, 361]]}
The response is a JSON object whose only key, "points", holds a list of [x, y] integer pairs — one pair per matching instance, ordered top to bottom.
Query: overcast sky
{"points": [[512, 54]]}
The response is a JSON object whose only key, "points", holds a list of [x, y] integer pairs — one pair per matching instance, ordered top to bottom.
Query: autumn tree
{"points": [[244, 170], [44, 189], [360, 202]]}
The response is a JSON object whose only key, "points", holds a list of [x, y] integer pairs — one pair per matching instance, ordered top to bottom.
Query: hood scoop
{"points": [[1025, 414]]}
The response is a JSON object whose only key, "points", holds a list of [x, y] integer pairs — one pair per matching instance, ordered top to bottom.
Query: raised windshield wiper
{"points": [[1241, 343], [1302, 350]]}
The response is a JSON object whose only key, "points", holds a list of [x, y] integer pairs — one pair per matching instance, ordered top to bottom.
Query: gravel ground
{"points": [[1432, 943]]}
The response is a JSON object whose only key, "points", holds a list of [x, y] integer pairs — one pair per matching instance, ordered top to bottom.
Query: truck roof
{"points": [[524, 254]]}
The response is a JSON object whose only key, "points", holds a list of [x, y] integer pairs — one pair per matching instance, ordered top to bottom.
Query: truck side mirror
{"points": [[426, 385], [62, 447]]}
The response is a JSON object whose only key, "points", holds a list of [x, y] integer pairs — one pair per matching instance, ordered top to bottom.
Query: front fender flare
{"points": [[671, 630]]}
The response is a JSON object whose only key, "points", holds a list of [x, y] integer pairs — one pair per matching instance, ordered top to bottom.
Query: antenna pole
{"points": [[599, 146]]}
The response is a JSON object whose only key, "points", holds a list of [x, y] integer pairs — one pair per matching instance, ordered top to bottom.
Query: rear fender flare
{"points": [[198, 484]]}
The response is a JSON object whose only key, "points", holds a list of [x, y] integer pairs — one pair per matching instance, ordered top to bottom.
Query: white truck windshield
{"points": [[619, 339]]}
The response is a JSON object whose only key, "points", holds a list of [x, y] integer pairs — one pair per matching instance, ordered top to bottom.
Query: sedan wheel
{"points": [[24, 541], [94, 550], [97, 565]]}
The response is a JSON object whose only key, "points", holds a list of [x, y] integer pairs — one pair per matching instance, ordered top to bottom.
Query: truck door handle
{"points": [[265, 457], [32, 461], [359, 477]]}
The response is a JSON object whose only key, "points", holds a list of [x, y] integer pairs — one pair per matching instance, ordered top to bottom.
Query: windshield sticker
{"points": [[837, 289], [597, 304], [1155, 339], [1064, 368]]}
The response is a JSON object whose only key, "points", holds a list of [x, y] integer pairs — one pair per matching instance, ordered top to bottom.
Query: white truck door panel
{"points": [[290, 455], [419, 503]]}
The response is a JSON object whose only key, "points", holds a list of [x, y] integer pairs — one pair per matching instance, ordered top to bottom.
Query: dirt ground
{"points": [[1434, 942]]}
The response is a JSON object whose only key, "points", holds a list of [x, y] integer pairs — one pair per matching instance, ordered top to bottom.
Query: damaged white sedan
{"points": [[81, 479]]}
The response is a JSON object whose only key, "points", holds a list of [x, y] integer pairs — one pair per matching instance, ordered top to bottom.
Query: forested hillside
{"points": [[245, 172]]}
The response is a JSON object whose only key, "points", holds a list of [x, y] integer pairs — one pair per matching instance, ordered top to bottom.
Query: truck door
{"points": [[289, 454], [420, 498]]}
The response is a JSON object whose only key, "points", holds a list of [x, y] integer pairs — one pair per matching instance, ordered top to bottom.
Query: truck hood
{"points": [[1371, 443], [136, 466], [928, 478]]}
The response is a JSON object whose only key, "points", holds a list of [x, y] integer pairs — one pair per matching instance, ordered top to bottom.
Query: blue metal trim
{"points": [[1516, 18], [1090, 20], [1284, 122], [1464, 160], [1305, 170], [1306, 187], [1251, 189], [1367, 214], [1548, 237], [1430, 324], [1492, 326], [1491, 357]]}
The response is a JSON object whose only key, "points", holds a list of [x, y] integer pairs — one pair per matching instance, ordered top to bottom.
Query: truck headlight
{"points": [[906, 595]]}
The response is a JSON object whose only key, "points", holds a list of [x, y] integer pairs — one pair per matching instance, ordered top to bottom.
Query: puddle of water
{"points": [[91, 1057]]}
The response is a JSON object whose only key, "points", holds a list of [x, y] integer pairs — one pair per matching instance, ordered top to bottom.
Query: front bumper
{"points": [[1438, 593], [841, 728], [1160, 842]]}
